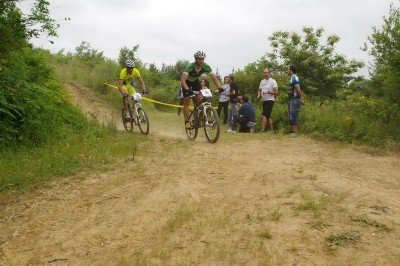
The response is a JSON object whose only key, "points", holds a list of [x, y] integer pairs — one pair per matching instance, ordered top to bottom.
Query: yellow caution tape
{"points": [[147, 99]]}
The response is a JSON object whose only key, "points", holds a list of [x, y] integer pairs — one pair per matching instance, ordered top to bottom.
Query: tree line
{"points": [[29, 91]]}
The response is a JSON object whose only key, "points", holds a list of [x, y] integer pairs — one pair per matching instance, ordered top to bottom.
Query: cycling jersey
{"points": [[193, 74], [128, 79], [294, 81]]}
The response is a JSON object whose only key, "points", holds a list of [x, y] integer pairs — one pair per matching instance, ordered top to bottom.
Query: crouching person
{"points": [[245, 115]]}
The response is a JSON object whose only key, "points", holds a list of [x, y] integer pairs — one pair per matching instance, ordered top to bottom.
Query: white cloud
{"points": [[232, 33]]}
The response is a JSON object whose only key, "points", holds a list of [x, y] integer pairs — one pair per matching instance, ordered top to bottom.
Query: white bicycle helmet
{"points": [[200, 54], [129, 63]]}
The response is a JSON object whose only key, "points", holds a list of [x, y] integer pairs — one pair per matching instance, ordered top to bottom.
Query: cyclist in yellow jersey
{"points": [[125, 82]]}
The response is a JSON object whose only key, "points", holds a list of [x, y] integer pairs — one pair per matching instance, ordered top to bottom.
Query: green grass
{"points": [[97, 148], [276, 214], [368, 221], [264, 233], [343, 239]]}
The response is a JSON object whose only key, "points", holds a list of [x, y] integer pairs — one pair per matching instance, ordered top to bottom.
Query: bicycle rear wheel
{"points": [[142, 121], [127, 122], [211, 124], [194, 125]]}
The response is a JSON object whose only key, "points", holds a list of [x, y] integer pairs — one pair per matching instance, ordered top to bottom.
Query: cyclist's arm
{"points": [[184, 77], [215, 80], [142, 82], [120, 84]]}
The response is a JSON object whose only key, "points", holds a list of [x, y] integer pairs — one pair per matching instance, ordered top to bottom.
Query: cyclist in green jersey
{"points": [[190, 80]]}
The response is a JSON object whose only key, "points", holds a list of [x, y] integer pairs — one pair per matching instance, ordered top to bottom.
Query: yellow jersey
{"points": [[128, 79]]}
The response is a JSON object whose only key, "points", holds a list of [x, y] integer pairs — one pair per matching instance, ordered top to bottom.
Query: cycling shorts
{"points": [[193, 85], [129, 89]]}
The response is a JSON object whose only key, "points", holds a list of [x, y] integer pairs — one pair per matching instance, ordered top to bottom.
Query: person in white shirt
{"points": [[268, 90], [224, 99]]}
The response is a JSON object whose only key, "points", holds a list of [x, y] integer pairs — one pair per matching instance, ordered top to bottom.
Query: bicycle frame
{"points": [[134, 104], [137, 114], [206, 117]]}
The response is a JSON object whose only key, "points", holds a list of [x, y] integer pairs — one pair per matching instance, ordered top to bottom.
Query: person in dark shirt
{"points": [[233, 94], [245, 115]]}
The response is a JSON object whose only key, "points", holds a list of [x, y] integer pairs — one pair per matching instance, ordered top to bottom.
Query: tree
{"points": [[12, 28], [16, 28], [386, 52], [85, 53], [125, 53], [175, 71], [322, 71], [26, 84]]}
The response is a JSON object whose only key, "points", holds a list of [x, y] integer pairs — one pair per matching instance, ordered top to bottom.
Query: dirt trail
{"points": [[249, 199]]}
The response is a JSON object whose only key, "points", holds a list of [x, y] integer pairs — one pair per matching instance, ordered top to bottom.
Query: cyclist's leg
{"points": [[194, 85], [131, 90], [125, 97], [199, 99], [186, 102]]}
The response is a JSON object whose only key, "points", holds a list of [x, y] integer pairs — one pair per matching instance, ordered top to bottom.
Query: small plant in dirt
{"points": [[380, 208], [276, 214], [180, 218], [366, 220], [319, 224], [264, 233], [343, 239]]}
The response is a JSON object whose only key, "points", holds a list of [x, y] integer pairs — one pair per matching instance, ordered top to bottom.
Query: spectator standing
{"points": [[267, 91], [233, 94], [224, 100], [295, 100]]}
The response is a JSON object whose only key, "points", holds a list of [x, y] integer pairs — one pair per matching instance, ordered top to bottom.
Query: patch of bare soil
{"points": [[86, 99], [248, 199]]}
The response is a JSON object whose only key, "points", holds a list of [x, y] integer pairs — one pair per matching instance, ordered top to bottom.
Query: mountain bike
{"points": [[137, 115], [204, 115]]}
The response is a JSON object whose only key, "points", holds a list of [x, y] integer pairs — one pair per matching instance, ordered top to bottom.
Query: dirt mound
{"points": [[249, 199]]}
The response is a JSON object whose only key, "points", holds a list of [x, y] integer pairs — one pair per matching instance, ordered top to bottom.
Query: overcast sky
{"points": [[232, 33]]}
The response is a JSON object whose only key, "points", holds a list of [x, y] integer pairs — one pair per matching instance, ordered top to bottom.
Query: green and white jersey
{"points": [[193, 74]]}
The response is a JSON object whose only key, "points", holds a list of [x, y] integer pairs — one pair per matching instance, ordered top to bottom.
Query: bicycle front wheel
{"points": [[127, 121], [142, 121], [211, 124], [194, 125]]}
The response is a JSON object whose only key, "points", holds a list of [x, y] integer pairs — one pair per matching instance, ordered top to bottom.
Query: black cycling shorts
{"points": [[193, 85]]}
